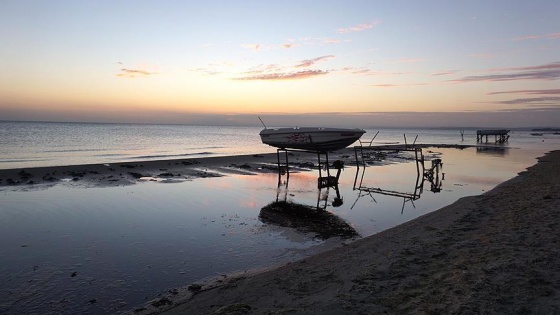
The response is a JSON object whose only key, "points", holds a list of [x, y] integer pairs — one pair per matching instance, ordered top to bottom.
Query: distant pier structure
{"points": [[500, 135]]}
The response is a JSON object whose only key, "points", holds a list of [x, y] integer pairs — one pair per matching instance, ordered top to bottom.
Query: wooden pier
{"points": [[500, 135]]}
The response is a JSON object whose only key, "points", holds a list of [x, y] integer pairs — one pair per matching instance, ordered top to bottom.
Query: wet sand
{"points": [[129, 173], [497, 253]]}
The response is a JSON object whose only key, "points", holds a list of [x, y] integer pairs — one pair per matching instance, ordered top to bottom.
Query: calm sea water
{"points": [[34, 144], [76, 250]]}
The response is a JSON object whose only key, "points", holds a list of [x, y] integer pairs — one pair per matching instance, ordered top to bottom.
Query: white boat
{"points": [[311, 138]]}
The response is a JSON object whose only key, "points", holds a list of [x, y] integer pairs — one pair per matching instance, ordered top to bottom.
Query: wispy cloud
{"points": [[358, 28], [546, 36], [320, 41], [255, 47], [261, 47], [310, 62], [553, 65], [215, 68], [264, 68], [207, 71], [359, 71], [367, 71], [549, 71], [446, 72], [134, 73], [285, 76], [397, 85], [530, 92], [547, 101]]}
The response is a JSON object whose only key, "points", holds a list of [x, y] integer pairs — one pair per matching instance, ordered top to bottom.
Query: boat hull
{"points": [[311, 139]]}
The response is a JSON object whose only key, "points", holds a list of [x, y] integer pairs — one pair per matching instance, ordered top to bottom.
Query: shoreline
{"points": [[129, 173], [492, 253]]}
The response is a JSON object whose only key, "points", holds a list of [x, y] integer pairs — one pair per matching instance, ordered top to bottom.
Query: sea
{"points": [[37, 144], [72, 249]]}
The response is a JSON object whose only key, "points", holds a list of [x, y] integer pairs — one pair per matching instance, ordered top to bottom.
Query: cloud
{"points": [[358, 28], [546, 36], [319, 41], [255, 47], [260, 47], [310, 62], [554, 65], [215, 68], [264, 68], [207, 71], [359, 71], [367, 71], [549, 71], [447, 72], [134, 73], [285, 76], [397, 85], [554, 91], [551, 100]]}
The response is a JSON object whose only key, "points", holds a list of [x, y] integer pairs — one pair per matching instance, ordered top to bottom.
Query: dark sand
{"points": [[129, 173], [497, 253]]}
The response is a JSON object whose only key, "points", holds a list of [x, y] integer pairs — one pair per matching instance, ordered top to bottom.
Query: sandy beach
{"points": [[495, 253]]}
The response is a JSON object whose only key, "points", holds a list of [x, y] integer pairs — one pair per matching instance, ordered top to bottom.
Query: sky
{"points": [[348, 63]]}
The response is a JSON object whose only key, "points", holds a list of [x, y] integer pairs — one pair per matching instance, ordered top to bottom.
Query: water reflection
{"points": [[493, 150], [433, 175], [306, 218]]}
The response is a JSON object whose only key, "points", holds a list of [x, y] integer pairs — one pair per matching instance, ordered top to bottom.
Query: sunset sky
{"points": [[353, 63]]}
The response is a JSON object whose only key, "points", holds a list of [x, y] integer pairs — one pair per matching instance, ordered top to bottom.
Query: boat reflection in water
{"points": [[433, 175], [313, 219], [316, 219]]}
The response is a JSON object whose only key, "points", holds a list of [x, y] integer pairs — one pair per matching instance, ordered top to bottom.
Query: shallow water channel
{"points": [[105, 250]]}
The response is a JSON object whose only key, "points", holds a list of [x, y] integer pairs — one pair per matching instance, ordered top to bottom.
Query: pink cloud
{"points": [[358, 28], [310, 62], [264, 69], [367, 71], [133, 73], [285, 76]]}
